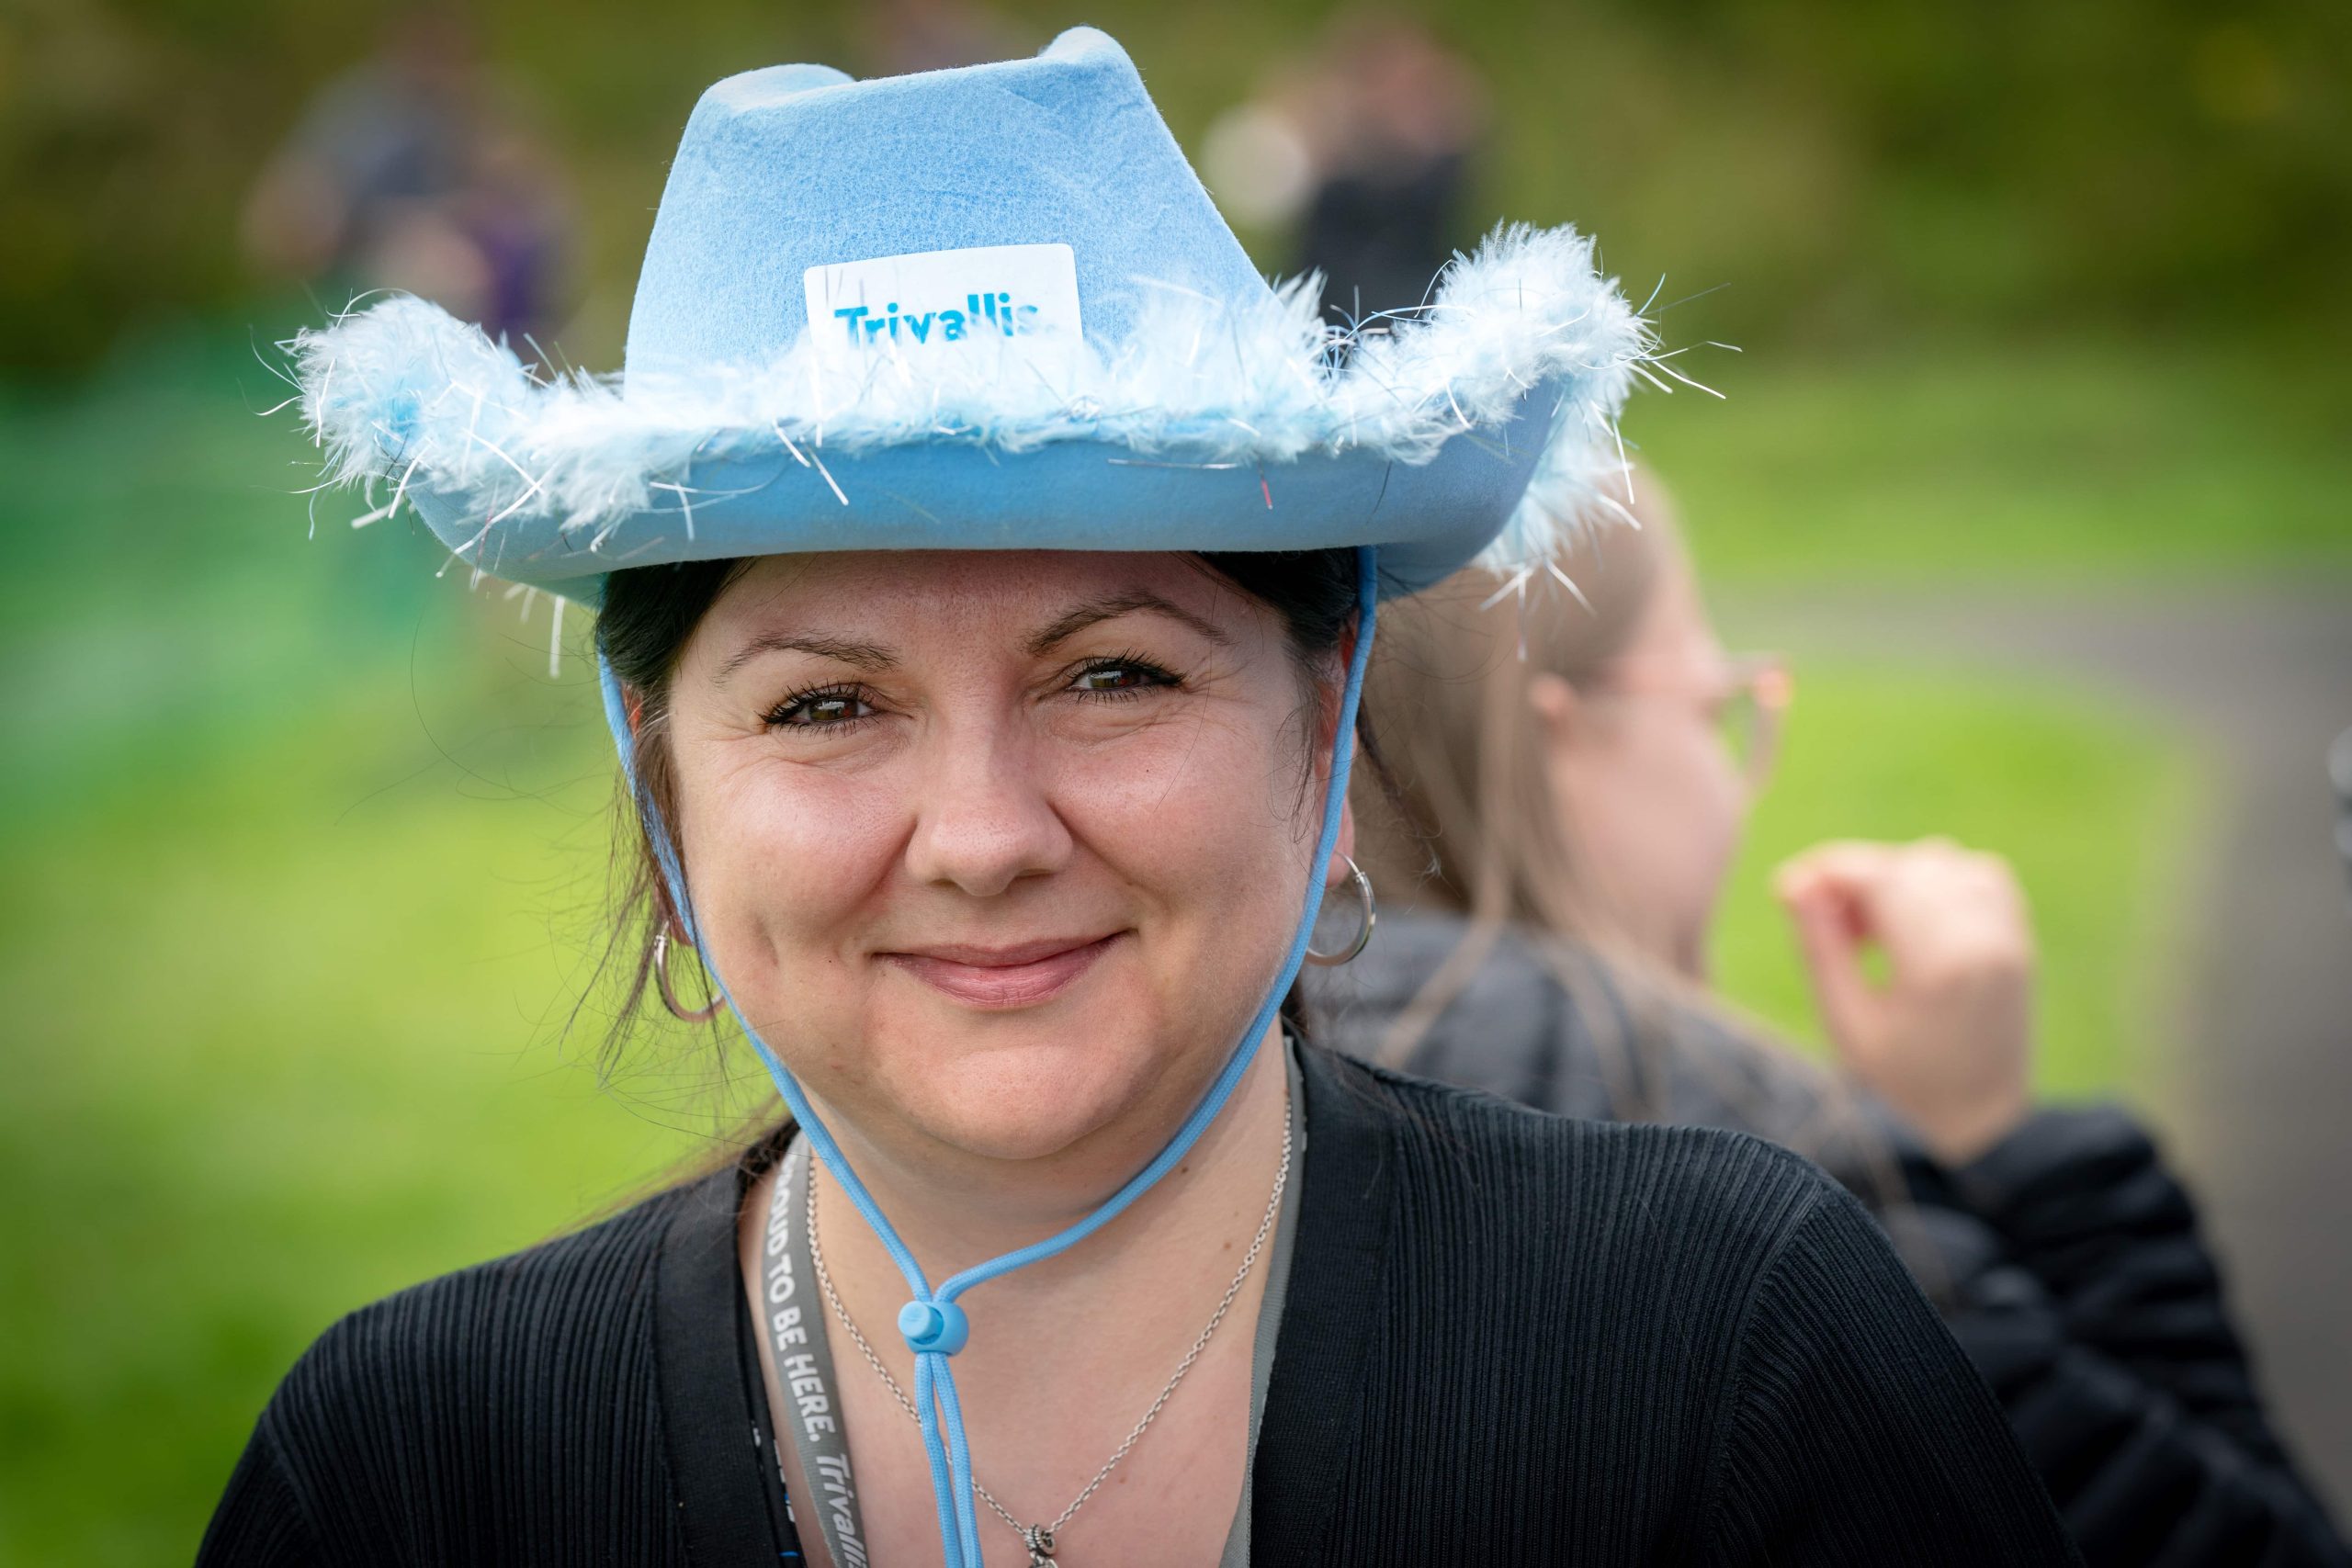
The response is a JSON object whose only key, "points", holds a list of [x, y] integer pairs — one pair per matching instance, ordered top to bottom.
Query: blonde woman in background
{"points": [[1570, 777]]}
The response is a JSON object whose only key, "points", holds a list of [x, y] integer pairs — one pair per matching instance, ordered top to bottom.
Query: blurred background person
{"points": [[1369, 145], [414, 172], [1571, 771]]}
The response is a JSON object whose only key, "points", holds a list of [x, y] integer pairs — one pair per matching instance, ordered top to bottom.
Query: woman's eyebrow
{"points": [[1113, 606], [864, 656]]}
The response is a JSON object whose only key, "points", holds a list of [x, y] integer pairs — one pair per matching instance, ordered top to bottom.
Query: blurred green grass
{"points": [[2072, 460], [303, 849], [283, 1048]]}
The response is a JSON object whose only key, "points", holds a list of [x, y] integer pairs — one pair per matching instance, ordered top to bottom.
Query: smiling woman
{"points": [[1124, 647], [987, 708], [910, 786]]}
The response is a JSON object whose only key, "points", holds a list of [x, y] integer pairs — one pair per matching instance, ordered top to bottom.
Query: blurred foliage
{"points": [[1858, 173]]}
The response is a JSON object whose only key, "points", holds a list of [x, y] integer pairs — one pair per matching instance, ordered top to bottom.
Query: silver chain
{"points": [[1039, 1538]]}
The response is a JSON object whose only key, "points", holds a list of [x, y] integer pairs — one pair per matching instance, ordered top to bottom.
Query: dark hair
{"points": [[651, 612]]}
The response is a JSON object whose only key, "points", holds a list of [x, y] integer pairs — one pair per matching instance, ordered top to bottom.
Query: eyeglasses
{"points": [[1758, 691], [1746, 694]]}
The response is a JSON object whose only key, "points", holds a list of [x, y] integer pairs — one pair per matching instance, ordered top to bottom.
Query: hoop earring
{"points": [[1362, 885], [669, 993]]}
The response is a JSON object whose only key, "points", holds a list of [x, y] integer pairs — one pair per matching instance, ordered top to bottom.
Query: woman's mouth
{"points": [[1000, 978]]}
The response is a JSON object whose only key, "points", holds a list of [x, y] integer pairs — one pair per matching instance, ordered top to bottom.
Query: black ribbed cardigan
{"points": [[2067, 1259], [1509, 1338]]}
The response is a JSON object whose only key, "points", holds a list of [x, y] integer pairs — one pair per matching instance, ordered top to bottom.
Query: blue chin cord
{"points": [[933, 1326]]}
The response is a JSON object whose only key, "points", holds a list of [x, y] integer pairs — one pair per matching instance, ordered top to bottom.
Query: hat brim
{"points": [[1484, 428], [1430, 518]]}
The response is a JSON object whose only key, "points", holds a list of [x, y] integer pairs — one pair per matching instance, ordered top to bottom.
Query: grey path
{"points": [[2257, 1103]]}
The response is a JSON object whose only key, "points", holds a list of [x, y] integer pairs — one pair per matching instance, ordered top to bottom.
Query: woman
{"points": [[1573, 775], [995, 779]]}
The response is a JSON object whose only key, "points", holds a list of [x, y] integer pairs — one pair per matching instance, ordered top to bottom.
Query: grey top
{"points": [[1553, 1026]]}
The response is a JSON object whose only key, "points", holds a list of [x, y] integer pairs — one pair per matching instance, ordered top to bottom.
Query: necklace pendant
{"points": [[1040, 1542]]}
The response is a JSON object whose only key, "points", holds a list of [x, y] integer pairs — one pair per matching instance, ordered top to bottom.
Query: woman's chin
{"points": [[1030, 1087]]}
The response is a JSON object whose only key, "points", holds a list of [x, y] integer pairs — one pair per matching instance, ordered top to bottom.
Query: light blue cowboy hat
{"points": [[990, 308], [1032, 329]]}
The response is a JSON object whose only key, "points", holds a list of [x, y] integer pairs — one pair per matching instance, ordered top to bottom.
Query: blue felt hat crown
{"points": [[799, 166], [990, 309], [1032, 329]]}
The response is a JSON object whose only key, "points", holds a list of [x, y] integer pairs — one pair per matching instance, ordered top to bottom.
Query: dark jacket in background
{"points": [[2065, 1261], [1508, 1338]]}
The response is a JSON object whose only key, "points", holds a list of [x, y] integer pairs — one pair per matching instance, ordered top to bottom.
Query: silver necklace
{"points": [[1040, 1539]]}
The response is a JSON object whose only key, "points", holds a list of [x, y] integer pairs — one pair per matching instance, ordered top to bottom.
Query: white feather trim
{"points": [[402, 391]]}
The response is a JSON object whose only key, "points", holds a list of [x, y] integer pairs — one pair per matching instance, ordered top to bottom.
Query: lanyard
{"points": [[793, 1308], [794, 1311]]}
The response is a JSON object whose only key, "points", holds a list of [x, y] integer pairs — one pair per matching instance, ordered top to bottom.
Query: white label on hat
{"points": [[987, 299]]}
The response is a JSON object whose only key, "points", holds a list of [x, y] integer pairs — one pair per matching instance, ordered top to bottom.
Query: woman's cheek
{"points": [[1191, 792], [1716, 808], [1206, 836], [799, 853]]}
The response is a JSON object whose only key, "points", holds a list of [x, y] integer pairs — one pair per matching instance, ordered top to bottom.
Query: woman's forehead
{"points": [[1021, 594]]}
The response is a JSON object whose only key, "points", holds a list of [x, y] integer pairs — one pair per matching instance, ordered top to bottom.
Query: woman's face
{"points": [[1651, 800], [998, 850]]}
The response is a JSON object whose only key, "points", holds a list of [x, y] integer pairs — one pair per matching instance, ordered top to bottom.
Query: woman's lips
{"points": [[1004, 977]]}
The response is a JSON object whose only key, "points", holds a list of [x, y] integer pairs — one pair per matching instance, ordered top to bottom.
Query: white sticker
{"points": [[987, 299]]}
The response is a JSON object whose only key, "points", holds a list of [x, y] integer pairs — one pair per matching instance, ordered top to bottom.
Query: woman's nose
{"points": [[984, 819]]}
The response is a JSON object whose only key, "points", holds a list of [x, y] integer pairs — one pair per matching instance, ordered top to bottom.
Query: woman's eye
{"points": [[1120, 675], [818, 710]]}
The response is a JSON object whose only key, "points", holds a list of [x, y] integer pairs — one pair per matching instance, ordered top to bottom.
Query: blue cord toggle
{"points": [[934, 1325], [945, 1446]]}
